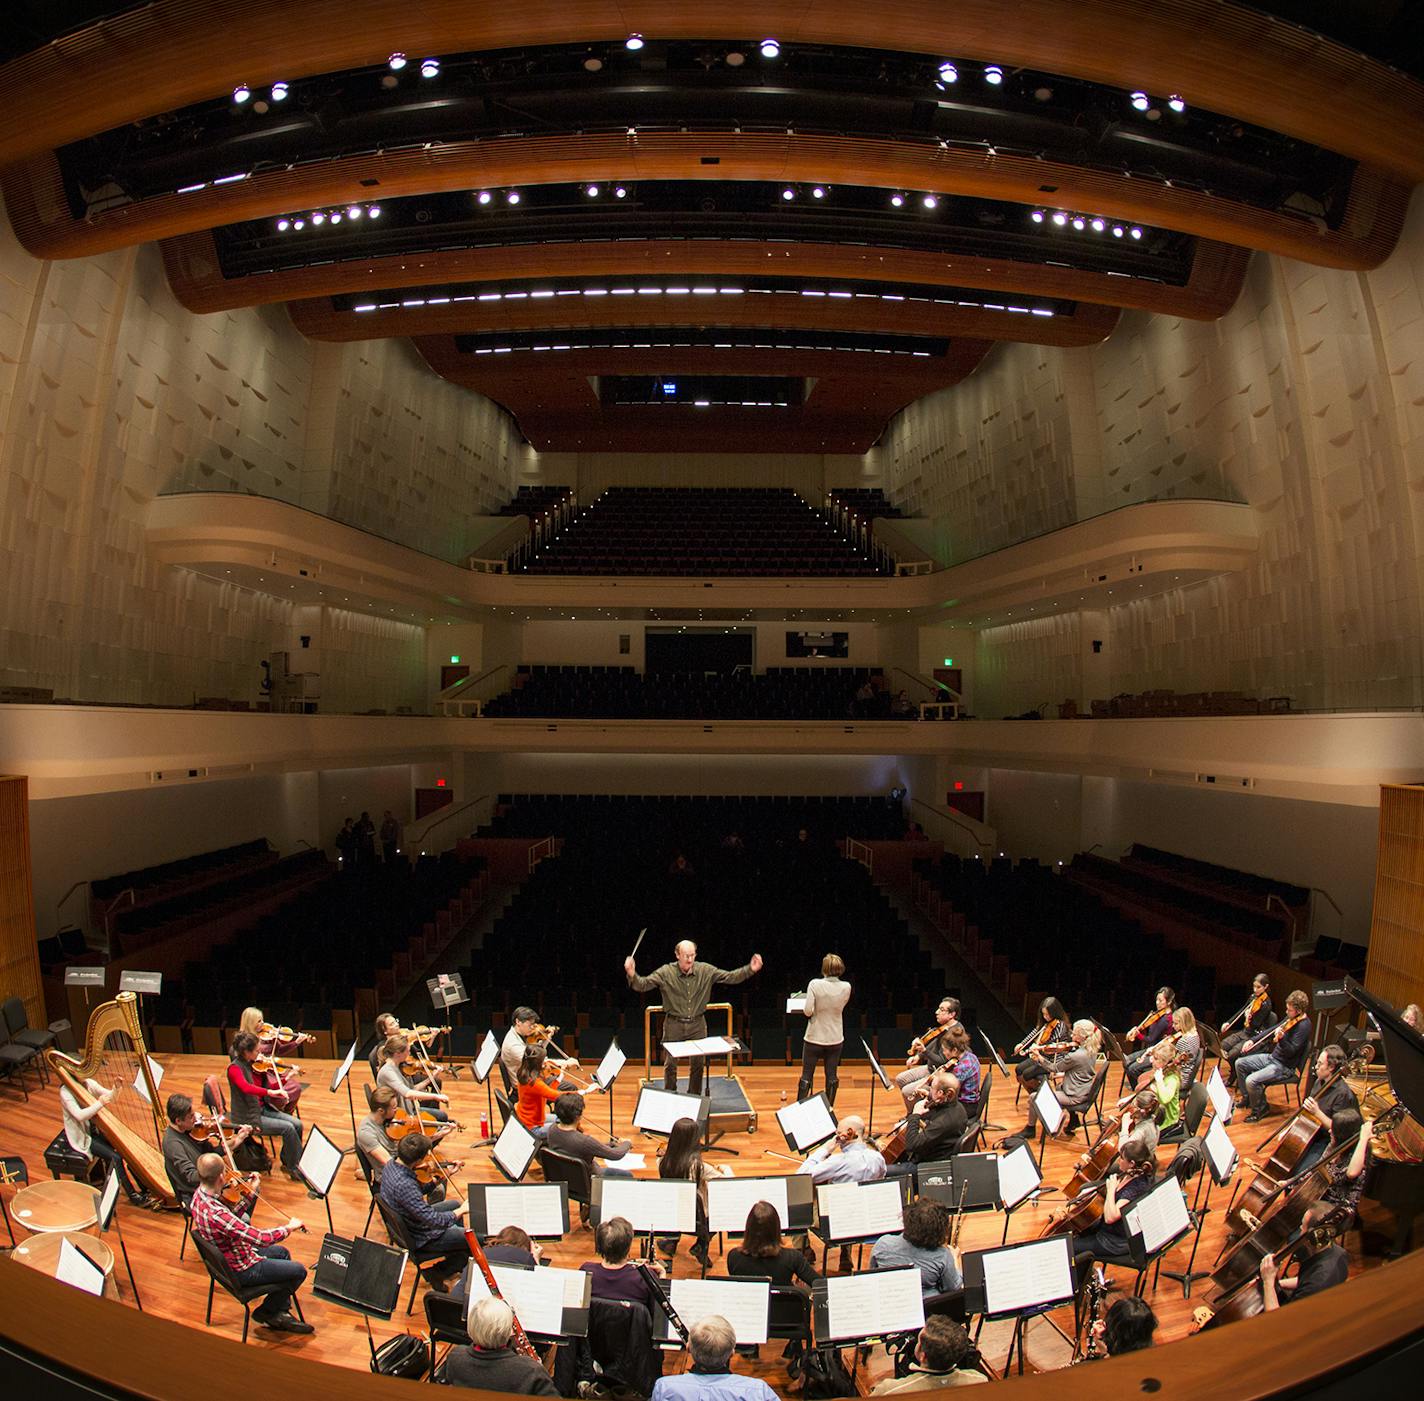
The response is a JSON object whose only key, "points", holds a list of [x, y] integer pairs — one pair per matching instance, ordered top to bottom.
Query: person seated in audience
{"points": [[901, 706], [523, 1021], [1148, 1032], [1189, 1046], [927, 1057], [1278, 1057], [1072, 1075], [413, 1094], [260, 1106], [935, 1126], [567, 1135], [86, 1137], [378, 1147], [181, 1151], [426, 1227], [923, 1242], [763, 1253], [255, 1257], [1320, 1264], [614, 1275], [1128, 1326], [710, 1342], [940, 1352], [490, 1363]]}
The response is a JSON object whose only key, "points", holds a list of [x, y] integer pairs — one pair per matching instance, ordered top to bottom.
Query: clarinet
{"points": [[959, 1215], [520, 1337]]}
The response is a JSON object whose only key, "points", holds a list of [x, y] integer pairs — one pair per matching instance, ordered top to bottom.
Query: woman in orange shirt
{"points": [[536, 1093]]}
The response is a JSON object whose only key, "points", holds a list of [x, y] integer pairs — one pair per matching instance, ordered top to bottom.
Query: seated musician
{"points": [[1257, 1016], [1413, 1016], [252, 1020], [524, 1021], [387, 1025], [1052, 1029], [1148, 1032], [1189, 1046], [1280, 1055], [927, 1057], [964, 1065], [1073, 1074], [1167, 1086], [536, 1092], [413, 1093], [1328, 1095], [260, 1107], [1141, 1120], [935, 1125], [567, 1135], [86, 1137], [379, 1147], [181, 1151], [847, 1157], [1136, 1171], [1347, 1171], [427, 1227], [923, 1241], [513, 1246], [764, 1253], [254, 1256], [1321, 1263], [614, 1275], [1128, 1327], [710, 1342], [940, 1353], [490, 1363]]}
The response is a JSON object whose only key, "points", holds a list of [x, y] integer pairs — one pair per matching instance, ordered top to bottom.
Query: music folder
{"points": [[658, 1110], [806, 1124], [968, 1181], [729, 1199], [1156, 1221], [359, 1274], [1024, 1278], [549, 1301]]}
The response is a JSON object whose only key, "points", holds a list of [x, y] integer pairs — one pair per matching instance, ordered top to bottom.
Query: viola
{"points": [[1147, 1023], [1038, 1037], [236, 1189]]}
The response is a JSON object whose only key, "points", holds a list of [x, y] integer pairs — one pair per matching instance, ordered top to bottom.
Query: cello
{"points": [[1085, 1211], [1250, 1298]]}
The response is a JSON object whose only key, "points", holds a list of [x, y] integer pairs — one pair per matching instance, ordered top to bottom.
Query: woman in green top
{"points": [[1167, 1081]]}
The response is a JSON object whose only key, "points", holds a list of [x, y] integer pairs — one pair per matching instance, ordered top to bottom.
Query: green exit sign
{"points": [[455, 659], [949, 661]]}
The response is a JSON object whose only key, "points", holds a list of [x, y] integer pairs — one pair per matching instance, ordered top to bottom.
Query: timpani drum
{"points": [[60, 1205], [42, 1253]]}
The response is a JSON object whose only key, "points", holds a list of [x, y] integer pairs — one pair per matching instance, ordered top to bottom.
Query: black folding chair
{"points": [[573, 1172], [219, 1275]]}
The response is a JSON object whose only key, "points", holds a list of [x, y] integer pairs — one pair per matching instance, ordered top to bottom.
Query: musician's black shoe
{"points": [[1255, 1116], [284, 1323]]}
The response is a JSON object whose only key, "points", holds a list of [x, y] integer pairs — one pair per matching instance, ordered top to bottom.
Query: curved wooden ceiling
{"points": [[1220, 56]]}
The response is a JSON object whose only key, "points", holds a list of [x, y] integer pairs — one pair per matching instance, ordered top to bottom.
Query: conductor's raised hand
{"points": [[756, 963], [630, 965]]}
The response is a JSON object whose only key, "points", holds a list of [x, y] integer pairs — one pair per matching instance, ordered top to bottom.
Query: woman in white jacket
{"points": [[826, 998]]}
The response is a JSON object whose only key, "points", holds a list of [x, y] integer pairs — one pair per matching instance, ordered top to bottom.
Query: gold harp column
{"points": [[19, 951], [1395, 969]]}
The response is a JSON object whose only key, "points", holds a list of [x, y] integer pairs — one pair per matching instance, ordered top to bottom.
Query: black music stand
{"points": [[482, 1067], [1002, 1069], [877, 1072], [342, 1075], [605, 1076], [320, 1162], [1217, 1171], [108, 1200], [361, 1275], [1050, 1296]]}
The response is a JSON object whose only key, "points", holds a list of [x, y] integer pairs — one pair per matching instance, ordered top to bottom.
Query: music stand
{"points": [[86, 977], [483, 1063], [877, 1072], [342, 1075], [606, 1075], [658, 1110], [1051, 1115], [805, 1124], [514, 1149], [320, 1162], [1221, 1163], [1019, 1181], [968, 1182], [831, 1194], [729, 1199], [108, 1200], [651, 1208], [541, 1209], [1155, 1222], [361, 1275], [1040, 1277], [539, 1296], [745, 1302], [859, 1308]]}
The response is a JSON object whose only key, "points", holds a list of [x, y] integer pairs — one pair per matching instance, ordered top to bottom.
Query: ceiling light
{"points": [[633, 42], [770, 48], [734, 58], [396, 62], [430, 68], [948, 73], [993, 75], [279, 92], [241, 93], [1043, 94], [1140, 101], [1177, 103], [591, 191], [619, 192], [818, 192], [788, 193], [484, 197], [512, 197], [897, 201], [930, 202], [354, 211], [373, 211], [1037, 216], [318, 217], [336, 218], [1060, 218], [1079, 222], [299, 223], [283, 225], [1099, 225], [1117, 230], [1135, 231]]}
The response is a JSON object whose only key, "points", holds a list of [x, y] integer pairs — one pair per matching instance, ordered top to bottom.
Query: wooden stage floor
{"points": [[178, 1291]]}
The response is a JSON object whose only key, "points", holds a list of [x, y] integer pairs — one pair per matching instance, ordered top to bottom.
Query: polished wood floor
{"points": [[178, 1290]]}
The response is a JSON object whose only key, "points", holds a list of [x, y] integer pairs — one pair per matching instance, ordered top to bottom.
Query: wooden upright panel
{"points": [[19, 954], [1395, 970]]}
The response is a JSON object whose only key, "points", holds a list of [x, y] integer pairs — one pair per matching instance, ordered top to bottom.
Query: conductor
{"points": [[686, 986]]}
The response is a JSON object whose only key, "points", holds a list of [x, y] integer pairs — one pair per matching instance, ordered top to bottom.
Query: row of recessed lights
{"points": [[319, 217], [1060, 219], [544, 295], [689, 345]]}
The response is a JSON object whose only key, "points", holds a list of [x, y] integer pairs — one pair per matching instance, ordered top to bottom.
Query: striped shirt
{"points": [[215, 1222]]}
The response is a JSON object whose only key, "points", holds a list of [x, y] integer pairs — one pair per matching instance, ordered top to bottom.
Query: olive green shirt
{"points": [[685, 995]]}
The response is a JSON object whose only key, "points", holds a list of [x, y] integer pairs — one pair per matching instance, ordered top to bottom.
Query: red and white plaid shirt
{"points": [[215, 1222]]}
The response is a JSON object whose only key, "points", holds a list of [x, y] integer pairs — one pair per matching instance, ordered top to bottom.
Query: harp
{"points": [[115, 1055]]}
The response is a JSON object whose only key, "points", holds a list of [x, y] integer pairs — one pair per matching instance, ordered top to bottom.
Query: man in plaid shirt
{"points": [[252, 1255]]}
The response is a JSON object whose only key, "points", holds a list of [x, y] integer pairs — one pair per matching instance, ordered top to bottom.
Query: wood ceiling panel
{"points": [[1220, 56], [1367, 235], [1218, 271], [1089, 326]]}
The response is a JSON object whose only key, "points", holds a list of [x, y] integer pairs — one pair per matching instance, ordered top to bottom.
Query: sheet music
{"points": [[796, 1004], [706, 1046], [489, 1053], [345, 1067], [608, 1068], [141, 1085], [1222, 1103], [1049, 1109], [658, 1110], [806, 1122], [514, 1148], [1221, 1150], [320, 1161], [629, 1162], [1018, 1175], [108, 1199], [729, 1199], [651, 1206], [855, 1209], [537, 1210], [1160, 1216], [76, 1268], [1037, 1272], [578, 1287], [536, 1296], [745, 1304], [875, 1304]]}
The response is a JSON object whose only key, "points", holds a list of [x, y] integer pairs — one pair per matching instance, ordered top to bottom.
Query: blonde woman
{"points": [[252, 1022], [1189, 1046], [1074, 1079]]}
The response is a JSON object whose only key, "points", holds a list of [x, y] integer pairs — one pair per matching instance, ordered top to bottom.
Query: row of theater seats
{"points": [[534, 501], [695, 531], [787, 693], [1175, 705], [152, 881], [1222, 881], [1033, 933], [324, 959]]}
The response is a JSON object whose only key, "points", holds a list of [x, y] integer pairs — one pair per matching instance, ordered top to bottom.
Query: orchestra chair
{"points": [[17, 1022], [13, 1060], [370, 1101], [1092, 1105], [506, 1107], [1191, 1116], [368, 1174], [576, 1174], [179, 1192], [420, 1258], [220, 1275], [790, 1319], [445, 1320], [901, 1348]]}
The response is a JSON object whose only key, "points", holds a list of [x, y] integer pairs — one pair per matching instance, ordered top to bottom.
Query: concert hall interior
{"points": [[537, 536]]}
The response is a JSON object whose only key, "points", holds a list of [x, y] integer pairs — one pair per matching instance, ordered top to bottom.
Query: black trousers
{"points": [[679, 1029], [831, 1056]]}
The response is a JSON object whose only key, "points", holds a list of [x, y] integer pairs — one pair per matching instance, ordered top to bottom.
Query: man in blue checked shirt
{"points": [[425, 1228]]}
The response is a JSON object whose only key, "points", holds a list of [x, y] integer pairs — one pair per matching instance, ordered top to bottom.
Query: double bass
{"points": [[1250, 1298]]}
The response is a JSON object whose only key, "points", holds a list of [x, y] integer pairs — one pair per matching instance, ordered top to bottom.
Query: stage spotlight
{"points": [[633, 42], [770, 48], [396, 62], [430, 68], [948, 73], [993, 75], [279, 92], [241, 93], [1140, 101], [1177, 103], [591, 191], [619, 192], [818, 192], [788, 193], [484, 197], [512, 197], [897, 201], [930, 202], [373, 211], [1037, 216], [318, 218], [336, 218], [1060, 218], [299, 223], [283, 225], [1098, 225], [1117, 230], [1135, 231]]}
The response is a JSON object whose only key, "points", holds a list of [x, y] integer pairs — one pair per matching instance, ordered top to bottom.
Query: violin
{"points": [[1248, 1010], [1147, 1023], [1278, 1032], [541, 1033], [282, 1035], [1038, 1037], [270, 1065], [422, 1122], [210, 1128], [236, 1188]]}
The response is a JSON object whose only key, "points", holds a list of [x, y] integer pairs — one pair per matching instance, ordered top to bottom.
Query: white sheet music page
{"points": [[796, 1004], [705, 1046], [489, 1053], [608, 1068], [1223, 1106], [1049, 1109], [658, 1110], [806, 1122], [514, 1148], [1220, 1150], [320, 1161], [1018, 1175], [729, 1199], [651, 1206], [535, 1209], [855, 1209], [1160, 1216], [76, 1268], [1024, 1275], [536, 1296], [745, 1304], [874, 1304]]}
